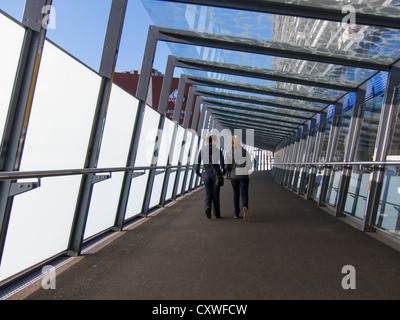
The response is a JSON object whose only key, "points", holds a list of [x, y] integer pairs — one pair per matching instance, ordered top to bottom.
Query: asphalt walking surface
{"points": [[289, 249]]}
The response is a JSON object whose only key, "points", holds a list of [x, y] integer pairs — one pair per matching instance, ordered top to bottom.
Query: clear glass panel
{"points": [[14, 8], [72, 27], [12, 40], [167, 135], [57, 138], [114, 150], [144, 157], [309, 157], [322, 158], [358, 188], [332, 192], [331, 195], [388, 217]]}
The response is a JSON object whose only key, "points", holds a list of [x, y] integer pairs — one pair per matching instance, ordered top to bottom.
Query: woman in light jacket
{"points": [[238, 165]]}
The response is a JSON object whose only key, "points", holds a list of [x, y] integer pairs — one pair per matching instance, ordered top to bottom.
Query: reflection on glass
{"points": [[309, 157], [322, 157], [359, 182], [332, 191], [388, 215]]}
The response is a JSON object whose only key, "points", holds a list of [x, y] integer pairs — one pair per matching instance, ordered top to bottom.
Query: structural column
{"points": [[107, 67], [141, 94], [20, 105], [162, 108], [175, 118], [385, 134], [332, 143], [317, 150], [349, 154]]}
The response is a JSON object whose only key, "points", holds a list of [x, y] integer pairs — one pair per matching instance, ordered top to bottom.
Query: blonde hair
{"points": [[211, 139], [236, 142]]}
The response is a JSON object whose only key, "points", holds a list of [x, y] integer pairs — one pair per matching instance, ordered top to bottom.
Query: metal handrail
{"points": [[350, 163], [13, 175]]}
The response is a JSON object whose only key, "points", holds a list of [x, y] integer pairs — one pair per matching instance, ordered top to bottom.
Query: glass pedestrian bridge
{"points": [[311, 87]]}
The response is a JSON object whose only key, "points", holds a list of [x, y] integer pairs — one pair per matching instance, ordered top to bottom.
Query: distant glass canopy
{"points": [[298, 56]]}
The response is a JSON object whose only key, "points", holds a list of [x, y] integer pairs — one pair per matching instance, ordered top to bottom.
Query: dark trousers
{"points": [[240, 189], [212, 194]]}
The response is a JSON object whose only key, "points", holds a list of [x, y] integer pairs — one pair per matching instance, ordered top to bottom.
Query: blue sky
{"points": [[80, 27]]}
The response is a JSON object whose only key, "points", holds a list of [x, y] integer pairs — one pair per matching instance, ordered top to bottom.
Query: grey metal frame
{"points": [[298, 10], [107, 67], [20, 106], [354, 132], [384, 138], [332, 143], [317, 149]]}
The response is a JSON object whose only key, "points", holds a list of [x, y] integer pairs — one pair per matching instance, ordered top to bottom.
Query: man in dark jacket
{"points": [[213, 162]]}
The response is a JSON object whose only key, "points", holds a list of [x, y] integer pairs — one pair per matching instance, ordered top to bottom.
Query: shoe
{"points": [[208, 213], [245, 214], [236, 217]]}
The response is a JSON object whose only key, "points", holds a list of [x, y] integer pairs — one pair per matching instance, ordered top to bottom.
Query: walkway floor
{"points": [[289, 249]]}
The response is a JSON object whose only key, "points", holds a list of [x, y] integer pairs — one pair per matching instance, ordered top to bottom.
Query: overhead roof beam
{"points": [[299, 10], [264, 47], [259, 73], [256, 89], [255, 100], [249, 108], [257, 118], [232, 121], [238, 124], [258, 133]]}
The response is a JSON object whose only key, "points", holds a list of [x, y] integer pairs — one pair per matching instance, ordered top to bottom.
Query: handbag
{"points": [[219, 178]]}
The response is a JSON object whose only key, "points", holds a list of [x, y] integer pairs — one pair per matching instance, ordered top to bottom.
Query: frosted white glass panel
{"points": [[12, 40], [57, 138], [164, 148], [113, 153], [144, 157], [194, 158], [175, 159], [185, 160]]}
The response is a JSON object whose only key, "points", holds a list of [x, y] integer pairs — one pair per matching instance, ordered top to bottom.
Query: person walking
{"points": [[213, 165], [238, 165]]}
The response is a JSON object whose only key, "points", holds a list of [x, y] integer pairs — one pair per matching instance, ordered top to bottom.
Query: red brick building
{"points": [[129, 81]]}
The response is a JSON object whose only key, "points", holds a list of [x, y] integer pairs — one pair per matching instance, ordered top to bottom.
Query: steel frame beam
{"points": [[299, 10], [264, 48], [107, 68], [258, 73], [236, 86], [16, 125], [385, 135]]}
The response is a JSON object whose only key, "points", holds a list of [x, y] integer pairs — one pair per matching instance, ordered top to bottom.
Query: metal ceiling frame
{"points": [[303, 11], [258, 47], [258, 73]]}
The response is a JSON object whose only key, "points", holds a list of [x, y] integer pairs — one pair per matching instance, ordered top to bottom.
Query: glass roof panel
{"points": [[318, 36], [311, 62]]}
